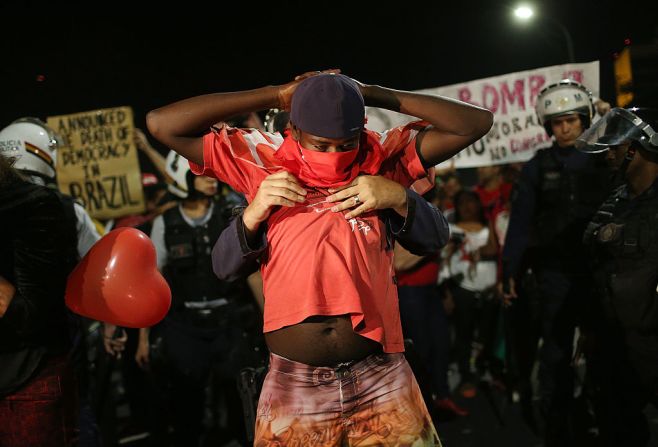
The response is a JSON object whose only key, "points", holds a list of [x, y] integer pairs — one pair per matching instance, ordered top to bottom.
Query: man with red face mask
{"points": [[331, 319]]}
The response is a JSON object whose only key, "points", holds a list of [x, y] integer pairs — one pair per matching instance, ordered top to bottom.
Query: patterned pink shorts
{"points": [[373, 402]]}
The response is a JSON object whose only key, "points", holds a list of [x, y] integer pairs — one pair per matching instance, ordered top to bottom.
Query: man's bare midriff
{"points": [[321, 341]]}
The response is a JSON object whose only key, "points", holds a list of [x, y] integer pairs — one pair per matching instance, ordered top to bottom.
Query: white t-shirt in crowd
{"points": [[476, 276]]}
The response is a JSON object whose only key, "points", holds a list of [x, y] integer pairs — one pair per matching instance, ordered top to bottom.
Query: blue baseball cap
{"points": [[328, 105]]}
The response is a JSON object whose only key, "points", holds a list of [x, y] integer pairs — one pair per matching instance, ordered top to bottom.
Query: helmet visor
{"points": [[619, 126]]}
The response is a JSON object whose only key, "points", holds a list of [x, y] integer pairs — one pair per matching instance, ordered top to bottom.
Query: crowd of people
{"points": [[331, 287]]}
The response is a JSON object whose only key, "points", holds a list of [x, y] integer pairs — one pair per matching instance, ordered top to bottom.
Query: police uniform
{"points": [[558, 191], [623, 236], [199, 334]]}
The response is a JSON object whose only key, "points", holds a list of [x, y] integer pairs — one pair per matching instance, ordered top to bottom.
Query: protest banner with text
{"points": [[98, 164]]}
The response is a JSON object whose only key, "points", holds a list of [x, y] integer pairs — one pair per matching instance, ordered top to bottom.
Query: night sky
{"points": [[58, 61]]}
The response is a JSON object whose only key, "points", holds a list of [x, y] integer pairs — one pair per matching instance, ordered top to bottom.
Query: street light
{"points": [[524, 13]]}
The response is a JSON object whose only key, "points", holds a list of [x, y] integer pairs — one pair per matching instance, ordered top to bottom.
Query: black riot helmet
{"points": [[622, 126]]}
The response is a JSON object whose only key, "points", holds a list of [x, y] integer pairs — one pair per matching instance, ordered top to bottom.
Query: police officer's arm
{"points": [[454, 124], [521, 217], [423, 230], [235, 254]]}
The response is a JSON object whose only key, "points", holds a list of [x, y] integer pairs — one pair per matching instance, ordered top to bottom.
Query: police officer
{"points": [[32, 145], [557, 193], [623, 235], [37, 253], [198, 332]]}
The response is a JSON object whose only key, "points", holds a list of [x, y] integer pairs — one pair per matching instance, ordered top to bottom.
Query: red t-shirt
{"points": [[319, 263]]}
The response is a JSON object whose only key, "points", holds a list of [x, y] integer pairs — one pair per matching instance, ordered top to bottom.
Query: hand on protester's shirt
{"points": [[287, 90], [280, 189], [367, 193], [7, 291], [113, 341]]}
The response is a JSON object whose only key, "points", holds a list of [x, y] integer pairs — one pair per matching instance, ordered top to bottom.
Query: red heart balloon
{"points": [[118, 282]]}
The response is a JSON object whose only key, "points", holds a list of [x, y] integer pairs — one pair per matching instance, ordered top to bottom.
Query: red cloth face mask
{"points": [[328, 168]]}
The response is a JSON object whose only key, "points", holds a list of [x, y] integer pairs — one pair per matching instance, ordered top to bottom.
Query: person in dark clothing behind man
{"points": [[558, 191], [623, 236], [38, 404]]}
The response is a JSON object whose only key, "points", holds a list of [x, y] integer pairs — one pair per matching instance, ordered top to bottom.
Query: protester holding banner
{"points": [[558, 191], [327, 321], [38, 396]]}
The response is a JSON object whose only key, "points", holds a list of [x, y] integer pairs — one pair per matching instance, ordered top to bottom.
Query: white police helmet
{"points": [[564, 98], [31, 147]]}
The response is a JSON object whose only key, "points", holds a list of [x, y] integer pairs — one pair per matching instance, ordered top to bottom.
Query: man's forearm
{"points": [[192, 116], [447, 116], [175, 125]]}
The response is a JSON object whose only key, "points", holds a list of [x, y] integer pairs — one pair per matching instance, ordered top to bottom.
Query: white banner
{"points": [[516, 134]]}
